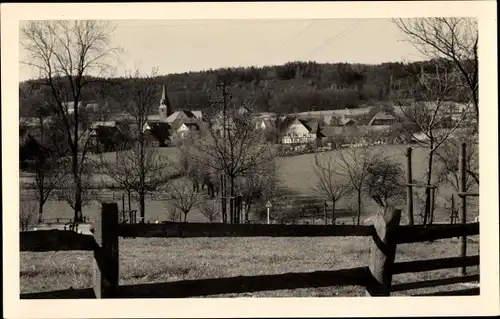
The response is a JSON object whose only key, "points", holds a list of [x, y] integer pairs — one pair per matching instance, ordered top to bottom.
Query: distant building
{"points": [[92, 106], [382, 120], [187, 128], [298, 131], [158, 134]]}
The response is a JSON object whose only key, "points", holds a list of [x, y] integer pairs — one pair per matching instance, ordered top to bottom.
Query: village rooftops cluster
{"points": [[171, 125]]}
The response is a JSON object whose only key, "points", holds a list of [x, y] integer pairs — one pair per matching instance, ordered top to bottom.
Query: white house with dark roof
{"points": [[299, 131]]}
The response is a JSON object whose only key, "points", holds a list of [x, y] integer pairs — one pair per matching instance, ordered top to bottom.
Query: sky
{"points": [[175, 46]]}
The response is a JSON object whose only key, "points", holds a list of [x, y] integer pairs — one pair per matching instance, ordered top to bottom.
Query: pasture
{"points": [[297, 178], [149, 260]]}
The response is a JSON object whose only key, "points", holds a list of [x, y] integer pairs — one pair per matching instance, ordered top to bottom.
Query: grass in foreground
{"points": [[147, 260]]}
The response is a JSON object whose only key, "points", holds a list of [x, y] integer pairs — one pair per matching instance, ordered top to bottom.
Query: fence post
{"points": [[409, 189], [463, 203], [382, 252], [105, 267]]}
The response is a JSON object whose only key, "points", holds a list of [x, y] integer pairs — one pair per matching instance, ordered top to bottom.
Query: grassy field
{"points": [[297, 177], [152, 260]]}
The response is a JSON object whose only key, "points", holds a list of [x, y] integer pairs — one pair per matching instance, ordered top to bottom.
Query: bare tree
{"points": [[455, 39], [64, 53], [140, 96], [431, 115], [43, 151], [236, 153], [448, 160], [354, 164], [121, 169], [48, 176], [385, 182], [259, 183], [329, 183], [66, 189], [182, 195], [209, 210], [27, 214], [174, 214]]}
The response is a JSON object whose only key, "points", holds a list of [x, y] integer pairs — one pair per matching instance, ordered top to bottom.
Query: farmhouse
{"points": [[382, 120], [298, 131]]}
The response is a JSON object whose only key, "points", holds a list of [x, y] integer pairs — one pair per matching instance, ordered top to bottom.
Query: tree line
{"points": [[288, 88]]}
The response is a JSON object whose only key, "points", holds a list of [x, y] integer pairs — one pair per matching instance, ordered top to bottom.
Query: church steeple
{"points": [[165, 108]]}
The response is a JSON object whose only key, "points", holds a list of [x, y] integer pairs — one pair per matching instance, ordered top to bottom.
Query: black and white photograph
{"points": [[249, 158]]}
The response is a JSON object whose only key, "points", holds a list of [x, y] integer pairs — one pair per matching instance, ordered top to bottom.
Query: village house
{"points": [[92, 106], [382, 121], [298, 131], [106, 136]]}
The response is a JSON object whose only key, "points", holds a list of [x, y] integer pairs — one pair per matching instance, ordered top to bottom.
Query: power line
{"points": [[235, 23], [297, 35], [337, 36]]}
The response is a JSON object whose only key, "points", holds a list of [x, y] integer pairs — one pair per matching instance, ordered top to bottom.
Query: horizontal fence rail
{"points": [[240, 230], [413, 234], [55, 240], [434, 264], [434, 283], [217, 286]]}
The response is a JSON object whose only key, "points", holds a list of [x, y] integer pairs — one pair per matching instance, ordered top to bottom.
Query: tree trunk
{"points": [[427, 189], [129, 195], [78, 200], [231, 201], [142, 204], [40, 209], [247, 210], [333, 212], [186, 216], [358, 221]]}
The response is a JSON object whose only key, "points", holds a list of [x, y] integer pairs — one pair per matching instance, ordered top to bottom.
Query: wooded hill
{"points": [[287, 88]]}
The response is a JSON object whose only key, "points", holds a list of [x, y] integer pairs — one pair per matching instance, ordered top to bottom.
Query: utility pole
{"points": [[223, 191]]}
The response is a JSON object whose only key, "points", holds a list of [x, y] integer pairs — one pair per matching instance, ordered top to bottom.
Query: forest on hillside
{"points": [[288, 88]]}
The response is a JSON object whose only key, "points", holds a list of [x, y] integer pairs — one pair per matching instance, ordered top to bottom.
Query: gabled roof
{"points": [[189, 114], [197, 114], [381, 116], [286, 122]]}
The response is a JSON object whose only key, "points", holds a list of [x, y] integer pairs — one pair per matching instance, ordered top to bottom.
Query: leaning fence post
{"points": [[382, 252], [105, 267]]}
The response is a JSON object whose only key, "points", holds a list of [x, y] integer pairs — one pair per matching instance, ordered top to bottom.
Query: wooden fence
{"points": [[386, 234]]}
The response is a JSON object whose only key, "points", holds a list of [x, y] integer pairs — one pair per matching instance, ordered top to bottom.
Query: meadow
{"points": [[297, 178], [149, 260]]}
